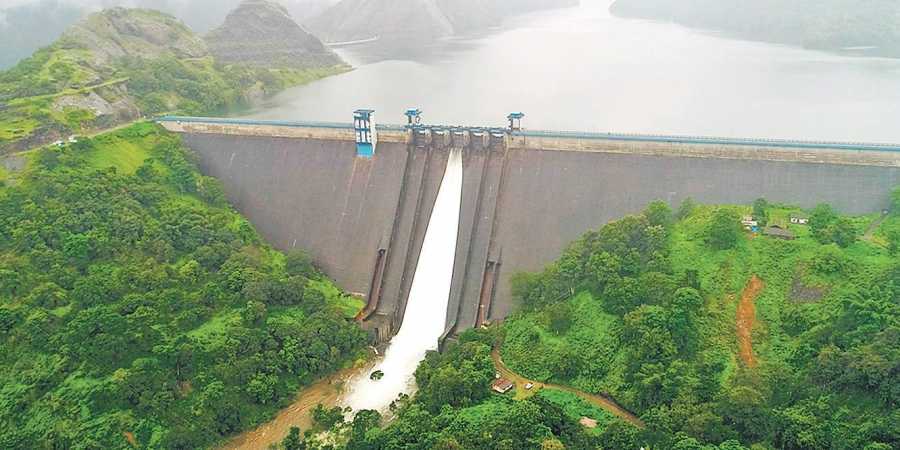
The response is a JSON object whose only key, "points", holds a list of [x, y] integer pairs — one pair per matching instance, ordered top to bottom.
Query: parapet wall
{"points": [[720, 148], [526, 194]]}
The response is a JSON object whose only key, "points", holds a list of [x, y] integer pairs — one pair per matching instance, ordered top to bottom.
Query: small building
{"points": [[799, 219], [749, 224], [779, 233], [502, 385], [587, 422]]}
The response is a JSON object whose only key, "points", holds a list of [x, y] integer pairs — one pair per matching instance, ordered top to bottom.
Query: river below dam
{"points": [[583, 69]]}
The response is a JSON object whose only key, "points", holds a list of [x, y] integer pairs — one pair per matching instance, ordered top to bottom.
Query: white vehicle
{"points": [[528, 386]]}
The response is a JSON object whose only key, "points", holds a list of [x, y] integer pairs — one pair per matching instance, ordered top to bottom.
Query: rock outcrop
{"points": [[118, 32], [262, 33]]}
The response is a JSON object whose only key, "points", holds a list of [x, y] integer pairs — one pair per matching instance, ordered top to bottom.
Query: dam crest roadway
{"points": [[525, 194]]}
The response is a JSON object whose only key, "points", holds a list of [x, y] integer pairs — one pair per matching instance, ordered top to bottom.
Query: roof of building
{"points": [[778, 232], [502, 385], [588, 422]]}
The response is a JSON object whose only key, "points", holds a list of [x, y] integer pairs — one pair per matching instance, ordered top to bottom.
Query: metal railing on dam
{"points": [[553, 134]]}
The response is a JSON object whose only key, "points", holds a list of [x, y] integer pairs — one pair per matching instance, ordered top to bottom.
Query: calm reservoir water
{"points": [[584, 69]]}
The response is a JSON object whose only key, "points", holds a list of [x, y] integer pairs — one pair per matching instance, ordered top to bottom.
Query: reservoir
{"points": [[583, 69]]}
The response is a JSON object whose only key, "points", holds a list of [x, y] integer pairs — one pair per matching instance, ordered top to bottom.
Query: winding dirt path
{"points": [[746, 318], [600, 401]]}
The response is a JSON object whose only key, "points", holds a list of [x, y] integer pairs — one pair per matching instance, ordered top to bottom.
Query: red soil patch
{"points": [[746, 317]]}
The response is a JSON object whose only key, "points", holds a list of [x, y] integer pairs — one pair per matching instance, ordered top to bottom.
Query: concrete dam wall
{"points": [[525, 195]]}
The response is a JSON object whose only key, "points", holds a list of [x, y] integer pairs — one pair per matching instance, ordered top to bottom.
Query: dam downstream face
{"points": [[426, 311]]}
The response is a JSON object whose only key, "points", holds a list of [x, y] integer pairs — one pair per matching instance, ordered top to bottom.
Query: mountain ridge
{"points": [[263, 33], [118, 65]]}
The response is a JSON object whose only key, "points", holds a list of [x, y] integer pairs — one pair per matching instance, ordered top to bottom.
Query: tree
{"points": [[211, 190], [687, 207], [659, 213], [760, 213], [823, 215], [724, 229], [842, 232], [891, 232], [77, 247], [829, 259], [298, 262], [9, 282], [685, 308], [254, 313], [559, 316], [262, 387], [327, 418], [293, 441], [552, 444]]}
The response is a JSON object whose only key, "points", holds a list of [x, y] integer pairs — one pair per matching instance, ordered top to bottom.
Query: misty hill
{"points": [[419, 20], [28, 26], [873, 26], [119, 32], [262, 33], [117, 65]]}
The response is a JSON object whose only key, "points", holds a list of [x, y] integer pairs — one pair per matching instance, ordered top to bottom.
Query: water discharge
{"points": [[426, 310]]}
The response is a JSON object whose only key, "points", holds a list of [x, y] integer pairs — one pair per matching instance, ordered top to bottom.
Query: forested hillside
{"points": [[819, 24], [120, 64], [138, 310], [711, 333], [718, 338]]}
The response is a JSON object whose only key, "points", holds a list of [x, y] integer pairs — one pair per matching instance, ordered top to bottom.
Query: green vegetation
{"points": [[822, 24], [75, 86], [137, 309], [655, 322], [720, 339], [455, 409]]}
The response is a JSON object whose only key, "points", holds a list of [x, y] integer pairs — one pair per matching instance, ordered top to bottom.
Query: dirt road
{"points": [[746, 318], [600, 401]]}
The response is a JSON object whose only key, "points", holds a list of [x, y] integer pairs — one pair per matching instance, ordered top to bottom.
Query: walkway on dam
{"points": [[606, 403]]}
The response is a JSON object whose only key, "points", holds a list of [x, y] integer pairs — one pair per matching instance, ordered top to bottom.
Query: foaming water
{"points": [[426, 309]]}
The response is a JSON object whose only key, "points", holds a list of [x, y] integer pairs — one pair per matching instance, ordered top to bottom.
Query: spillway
{"points": [[426, 311]]}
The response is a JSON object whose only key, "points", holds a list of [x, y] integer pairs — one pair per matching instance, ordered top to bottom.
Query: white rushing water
{"points": [[426, 309]]}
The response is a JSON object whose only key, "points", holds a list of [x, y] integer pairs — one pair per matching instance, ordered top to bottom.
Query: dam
{"points": [[524, 195]]}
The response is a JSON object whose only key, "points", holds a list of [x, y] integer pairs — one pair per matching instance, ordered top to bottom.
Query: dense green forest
{"points": [[820, 24], [138, 310], [649, 310]]}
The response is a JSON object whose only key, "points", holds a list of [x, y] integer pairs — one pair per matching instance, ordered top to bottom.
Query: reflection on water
{"points": [[583, 69], [426, 310]]}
